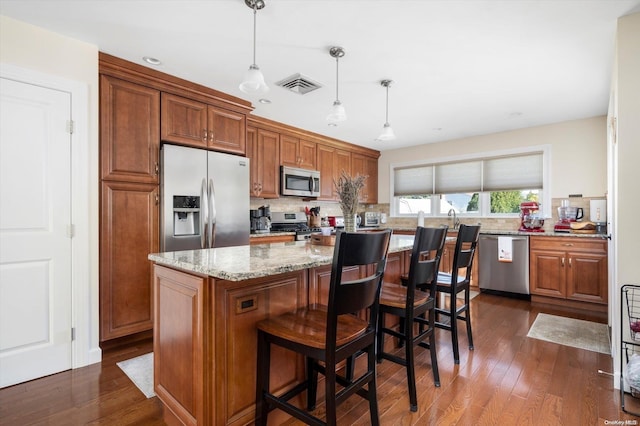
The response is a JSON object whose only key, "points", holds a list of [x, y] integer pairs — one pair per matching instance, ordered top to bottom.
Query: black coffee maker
{"points": [[260, 220]]}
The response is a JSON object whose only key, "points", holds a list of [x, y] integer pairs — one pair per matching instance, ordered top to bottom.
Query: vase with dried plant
{"points": [[348, 189]]}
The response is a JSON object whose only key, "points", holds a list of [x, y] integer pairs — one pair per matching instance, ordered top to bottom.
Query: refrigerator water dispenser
{"points": [[186, 215]]}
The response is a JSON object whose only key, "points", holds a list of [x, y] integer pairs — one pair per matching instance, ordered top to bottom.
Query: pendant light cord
{"points": [[255, 12], [337, 98], [386, 116]]}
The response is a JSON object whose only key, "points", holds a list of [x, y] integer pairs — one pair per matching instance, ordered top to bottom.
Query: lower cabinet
{"points": [[128, 233], [569, 268], [205, 344]]}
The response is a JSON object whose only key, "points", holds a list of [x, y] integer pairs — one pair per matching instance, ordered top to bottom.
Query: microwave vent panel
{"points": [[299, 84]]}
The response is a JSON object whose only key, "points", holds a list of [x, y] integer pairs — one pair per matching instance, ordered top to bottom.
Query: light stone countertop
{"points": [[254, 261]]}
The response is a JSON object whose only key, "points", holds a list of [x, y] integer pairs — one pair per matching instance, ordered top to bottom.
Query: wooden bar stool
{"points": [[458, 281], [412, 303], [327, 335]]}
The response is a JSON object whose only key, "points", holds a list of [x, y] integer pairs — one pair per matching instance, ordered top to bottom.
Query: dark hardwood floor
{"points": [[509, 379]]}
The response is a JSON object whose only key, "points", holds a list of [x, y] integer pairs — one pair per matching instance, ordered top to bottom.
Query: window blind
{"points": [[516, 172], [512, 173], [454, 178], [413, 180]]}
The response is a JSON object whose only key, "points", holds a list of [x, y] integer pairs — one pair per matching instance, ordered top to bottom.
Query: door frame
{"points": [[84, 244]]}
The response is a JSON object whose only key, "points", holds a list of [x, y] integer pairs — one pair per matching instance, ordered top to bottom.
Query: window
{"points": [[494, 184]]}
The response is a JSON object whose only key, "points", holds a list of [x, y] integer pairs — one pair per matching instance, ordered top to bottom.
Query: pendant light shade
{"points": [[253, 79], [337, 113], [387, 132]]}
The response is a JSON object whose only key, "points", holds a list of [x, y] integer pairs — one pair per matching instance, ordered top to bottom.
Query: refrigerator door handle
{"points": [[204, 214], [212, 214]]}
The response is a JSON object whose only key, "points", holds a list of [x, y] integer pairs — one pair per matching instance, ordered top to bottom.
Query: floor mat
{"points": [[581, 334], [140, 371]]}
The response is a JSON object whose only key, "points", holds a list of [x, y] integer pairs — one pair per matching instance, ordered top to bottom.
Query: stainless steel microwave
{"points": [[299, 182]]}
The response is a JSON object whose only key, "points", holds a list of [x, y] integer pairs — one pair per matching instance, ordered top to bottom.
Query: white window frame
{"points": [[485, 201]]}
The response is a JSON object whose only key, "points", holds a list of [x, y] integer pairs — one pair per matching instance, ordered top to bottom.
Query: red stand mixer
{"points": [[529, 219]]}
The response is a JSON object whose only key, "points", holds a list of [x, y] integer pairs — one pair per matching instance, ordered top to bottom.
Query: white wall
{"points": [[40, 51], [578, 154], [627, 167]]}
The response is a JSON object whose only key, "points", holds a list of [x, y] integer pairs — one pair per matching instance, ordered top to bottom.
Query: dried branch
{"points": [[348, 189]]}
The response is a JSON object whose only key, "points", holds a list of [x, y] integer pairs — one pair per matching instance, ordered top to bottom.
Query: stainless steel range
{"points": [[291, 222]]}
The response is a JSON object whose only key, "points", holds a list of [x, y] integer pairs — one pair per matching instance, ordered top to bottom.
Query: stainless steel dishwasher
{"points": [[510, 278]]}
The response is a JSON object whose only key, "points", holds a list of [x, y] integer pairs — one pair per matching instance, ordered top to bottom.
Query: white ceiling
{"points": [[460, 68]]}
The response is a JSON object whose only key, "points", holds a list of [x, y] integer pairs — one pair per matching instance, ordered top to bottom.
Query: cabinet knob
{"points": [[204, 135], [211, 136], [563, 262]]}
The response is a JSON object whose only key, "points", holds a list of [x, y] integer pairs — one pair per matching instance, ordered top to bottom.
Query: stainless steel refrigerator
{"points": [[205, 199]]}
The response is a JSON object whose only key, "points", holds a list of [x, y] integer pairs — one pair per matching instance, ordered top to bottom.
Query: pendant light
{"points": [[253, 79], [337, 113], [387, 132]]}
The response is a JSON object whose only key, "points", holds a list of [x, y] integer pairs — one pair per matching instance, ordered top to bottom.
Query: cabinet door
{"points": [[184, 121], [227, 130], [129, 131], [252, 154], [307, 154], [289, 155], [331, 162], [267, 164], [366, 166], [326, 168], [128, 233], [547, 273], [587, 277]]}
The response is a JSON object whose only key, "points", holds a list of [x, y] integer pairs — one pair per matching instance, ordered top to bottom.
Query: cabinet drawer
{"points": [[572, 244]]}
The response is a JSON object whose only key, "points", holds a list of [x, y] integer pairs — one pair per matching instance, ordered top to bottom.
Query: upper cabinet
{"points": [[194, 123], [129, 131], [263, 148], [296, 152], [331, 162], [366, 166]]}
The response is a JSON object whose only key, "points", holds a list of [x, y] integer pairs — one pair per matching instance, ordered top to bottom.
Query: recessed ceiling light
{"points": [[151, 61], [264, 101]]}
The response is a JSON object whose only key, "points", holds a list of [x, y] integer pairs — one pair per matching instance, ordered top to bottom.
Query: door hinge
{"points": [[70, 125], [71, 231], [73, 334]]}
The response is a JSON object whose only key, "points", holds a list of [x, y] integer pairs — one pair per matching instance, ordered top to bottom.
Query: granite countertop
{"points": [[516, 232], [246, 262]]}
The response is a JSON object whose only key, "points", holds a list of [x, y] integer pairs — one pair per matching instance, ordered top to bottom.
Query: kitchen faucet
{"points": [[456, 221]]}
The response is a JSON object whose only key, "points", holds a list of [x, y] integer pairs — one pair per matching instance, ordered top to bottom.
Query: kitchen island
{"points": [[206, 305]]}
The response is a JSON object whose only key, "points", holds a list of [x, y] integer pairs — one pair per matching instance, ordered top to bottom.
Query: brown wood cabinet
{"points": [[137, 104], [189, 122], [129, 131], [263, 150], [296, 152], [331, 162], [366, 166], [128, 232], [569, 268], [206, 343]]}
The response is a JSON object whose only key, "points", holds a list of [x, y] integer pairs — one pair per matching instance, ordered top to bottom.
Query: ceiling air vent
{"points": [[299, 84]]}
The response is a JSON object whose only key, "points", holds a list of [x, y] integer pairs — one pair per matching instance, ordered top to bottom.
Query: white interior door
{"points": [[35, 243]]}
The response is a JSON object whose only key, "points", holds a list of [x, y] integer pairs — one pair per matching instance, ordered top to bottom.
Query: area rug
{"points": [[577, 333], [140, 371]]}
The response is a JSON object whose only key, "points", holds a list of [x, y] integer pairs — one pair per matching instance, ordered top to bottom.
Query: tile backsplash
{"points": [[329, 208]]}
